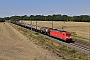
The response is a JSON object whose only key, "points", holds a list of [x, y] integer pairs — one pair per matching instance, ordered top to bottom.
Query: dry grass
{"points": [[80, 28], [53, 46]]}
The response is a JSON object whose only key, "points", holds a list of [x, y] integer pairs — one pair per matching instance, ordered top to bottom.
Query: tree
{"points": [[55, 17], [15, 18], [2, 20]]}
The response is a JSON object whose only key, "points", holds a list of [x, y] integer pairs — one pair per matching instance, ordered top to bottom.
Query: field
{"points": [[80, 29], [16, 46]]}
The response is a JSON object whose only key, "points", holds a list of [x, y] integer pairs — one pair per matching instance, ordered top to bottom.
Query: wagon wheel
{"points": [[41, 31]]}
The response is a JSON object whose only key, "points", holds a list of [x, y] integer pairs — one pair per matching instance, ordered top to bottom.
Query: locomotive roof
{"points": [[59, 30]]}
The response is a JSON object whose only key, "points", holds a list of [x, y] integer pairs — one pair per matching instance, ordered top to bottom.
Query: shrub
{"points": [[2, 20], [74, 33]]}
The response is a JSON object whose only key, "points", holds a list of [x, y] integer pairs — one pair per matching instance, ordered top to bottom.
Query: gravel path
{"points": [[15, 46]]}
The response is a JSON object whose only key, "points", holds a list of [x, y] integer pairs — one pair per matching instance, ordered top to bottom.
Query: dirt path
{"points": [[15, 46]]}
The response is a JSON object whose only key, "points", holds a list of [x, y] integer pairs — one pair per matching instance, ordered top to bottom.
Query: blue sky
{"points": [[44, 7]]}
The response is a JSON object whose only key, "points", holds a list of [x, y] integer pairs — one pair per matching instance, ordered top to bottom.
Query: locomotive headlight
{"points": [[66, 37], [70, 37]]}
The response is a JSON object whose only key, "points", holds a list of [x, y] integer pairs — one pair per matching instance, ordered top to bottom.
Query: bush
{"points": [[2, 20], [36, 33], [74, 33]]}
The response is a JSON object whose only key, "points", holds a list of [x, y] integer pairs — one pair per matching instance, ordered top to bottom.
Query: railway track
{"points": [[77, 45], [83, 48]]}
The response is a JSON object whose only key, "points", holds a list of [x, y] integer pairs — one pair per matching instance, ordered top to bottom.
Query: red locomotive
{"points": [[61, 34], [64, 35]]}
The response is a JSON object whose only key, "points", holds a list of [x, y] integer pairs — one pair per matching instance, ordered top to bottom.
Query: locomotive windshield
{"points": [[68, 34]]}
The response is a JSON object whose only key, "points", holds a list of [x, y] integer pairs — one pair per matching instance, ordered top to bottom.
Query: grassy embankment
{"points": [[79, 38], [53, 46]]}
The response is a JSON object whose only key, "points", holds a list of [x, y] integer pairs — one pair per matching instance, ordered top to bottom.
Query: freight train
{"points": [[60, 34]]}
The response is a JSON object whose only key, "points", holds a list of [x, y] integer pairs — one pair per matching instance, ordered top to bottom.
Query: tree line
{"points": [[55, 17], [2, 20]]}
